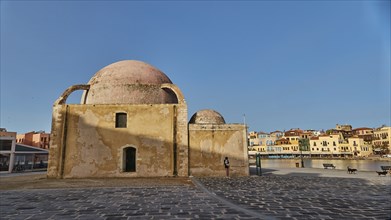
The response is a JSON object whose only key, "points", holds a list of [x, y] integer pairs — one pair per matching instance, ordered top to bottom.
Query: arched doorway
{"points": [[129, 154]]}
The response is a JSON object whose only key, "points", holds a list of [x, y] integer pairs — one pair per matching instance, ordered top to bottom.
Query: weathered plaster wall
{"points": [[180, 131], [56, 141], [182, 141], [210, 144], [94, 146]]}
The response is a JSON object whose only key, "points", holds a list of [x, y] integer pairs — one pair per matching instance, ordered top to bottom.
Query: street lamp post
{"points": [[303, 143], [258, 166]]}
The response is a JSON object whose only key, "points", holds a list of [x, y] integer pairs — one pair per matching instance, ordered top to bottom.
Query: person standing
{"points": [[226, 165]]}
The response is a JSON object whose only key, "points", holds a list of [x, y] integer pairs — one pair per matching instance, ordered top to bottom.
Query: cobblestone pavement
{"points": [[266, 197], [306, 197], [169, 202]]}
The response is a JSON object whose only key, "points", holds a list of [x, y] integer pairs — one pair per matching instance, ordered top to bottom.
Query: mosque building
{"points": [[133, 122]]}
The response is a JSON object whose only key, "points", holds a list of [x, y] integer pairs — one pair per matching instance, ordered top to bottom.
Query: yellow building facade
{"points": [[382, 138], [358, 147]]}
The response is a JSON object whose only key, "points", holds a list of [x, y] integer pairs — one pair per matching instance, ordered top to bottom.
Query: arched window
{"points": [[120, 120], [129, 159]]}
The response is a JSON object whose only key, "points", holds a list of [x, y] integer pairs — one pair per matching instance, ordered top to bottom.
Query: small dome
{"points": [[129, 82], [207, 116]]}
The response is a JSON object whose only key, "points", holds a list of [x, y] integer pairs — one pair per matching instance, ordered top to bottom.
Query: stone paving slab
{"points": [[287, 195], [306, 197], [169, 202]]}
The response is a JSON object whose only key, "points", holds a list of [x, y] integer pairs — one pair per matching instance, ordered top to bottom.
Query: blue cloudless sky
{"points": [[282, 64]]}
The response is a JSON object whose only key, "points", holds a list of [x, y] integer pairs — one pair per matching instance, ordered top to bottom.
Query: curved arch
{"points": [[176, 90], [62, 99]]}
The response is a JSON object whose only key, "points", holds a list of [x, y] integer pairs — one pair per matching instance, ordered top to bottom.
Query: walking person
{"points": [[226, 165]]}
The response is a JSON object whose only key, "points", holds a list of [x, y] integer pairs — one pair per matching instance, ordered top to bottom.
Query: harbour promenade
{"points": [[286, 193]]}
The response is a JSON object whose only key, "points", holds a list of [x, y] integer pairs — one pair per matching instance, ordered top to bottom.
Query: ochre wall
{"points": [[57, 141], [85, 143], [210, 144], [94, 147]]}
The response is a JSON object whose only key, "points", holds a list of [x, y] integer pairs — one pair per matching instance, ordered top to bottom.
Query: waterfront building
{"points": [[132, 121], [345, 127], [345, 130], [362, 131], [316, 132], [365, 133], [277, 134], [307, 134], [293, 136], [34, 138], [262, 138], [253, 140], [382, 140], [261, 141], [282, 141], [342, 141], [267, 142], [278, 144], [324, 145], [332, 145], [261, 146], [283, 146], [286, 147], [344, 147], [358, 147], [7, 150], [16, 157]]}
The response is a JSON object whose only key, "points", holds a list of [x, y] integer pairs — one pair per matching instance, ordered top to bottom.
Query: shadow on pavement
{"points": [[269, 172]]}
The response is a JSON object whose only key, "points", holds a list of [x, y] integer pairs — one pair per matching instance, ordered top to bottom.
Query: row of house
{"points": [[34, 138], [342, 141], [16, 156]]}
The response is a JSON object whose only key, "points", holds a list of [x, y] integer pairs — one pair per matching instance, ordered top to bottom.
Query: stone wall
{"points": [[210, 144], [90, 145]]}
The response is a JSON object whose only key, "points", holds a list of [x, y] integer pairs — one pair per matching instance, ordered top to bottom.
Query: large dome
{"points": [[129, 82], [207, 116]]}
